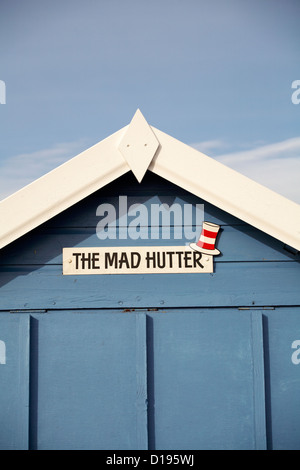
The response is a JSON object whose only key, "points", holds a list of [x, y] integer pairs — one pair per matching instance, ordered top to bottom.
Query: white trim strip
{"points": [[61, 188], [227, 189]]}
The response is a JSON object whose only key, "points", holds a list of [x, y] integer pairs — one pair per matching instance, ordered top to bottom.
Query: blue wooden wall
{"points": [[150, 361]]}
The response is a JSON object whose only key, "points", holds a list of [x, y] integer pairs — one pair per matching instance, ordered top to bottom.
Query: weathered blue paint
{"points": [[232, 284], [281, 330], [150, 361], [14, 381], [208, 381], [90, 386]]}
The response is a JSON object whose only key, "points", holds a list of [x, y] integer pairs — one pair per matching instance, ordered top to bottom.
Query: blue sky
{"points": [[215, 74]]}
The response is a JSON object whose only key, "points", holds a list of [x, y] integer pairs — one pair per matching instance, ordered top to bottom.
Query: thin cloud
{"points": [[210, 146], [288, 148], [276, 166], [20, 170]]}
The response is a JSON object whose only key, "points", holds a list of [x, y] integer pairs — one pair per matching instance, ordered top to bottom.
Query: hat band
{"points": [[209, 234], [205, 246]]}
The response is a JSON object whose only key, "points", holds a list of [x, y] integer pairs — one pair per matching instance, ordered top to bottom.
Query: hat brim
{"points": [[195, 247]]}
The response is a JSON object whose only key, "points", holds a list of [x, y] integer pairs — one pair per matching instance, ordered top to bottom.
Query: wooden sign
{"points": [[135, 260]]}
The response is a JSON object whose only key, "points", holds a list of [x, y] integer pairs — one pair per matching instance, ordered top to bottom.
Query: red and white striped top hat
{"points": [[207, 240]]}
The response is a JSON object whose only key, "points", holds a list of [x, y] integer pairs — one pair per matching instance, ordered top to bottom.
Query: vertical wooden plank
{"points": [[282, 333], [24, 371], [14, 380], [208, 380], [258, 381], [141, 382], [92, 386]]}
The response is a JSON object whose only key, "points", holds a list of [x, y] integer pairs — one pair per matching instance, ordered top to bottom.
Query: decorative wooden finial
{"points": [[139, 145]]}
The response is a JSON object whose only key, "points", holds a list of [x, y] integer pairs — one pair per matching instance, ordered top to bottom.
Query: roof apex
{"points": [[139, 145], [163, 155]]}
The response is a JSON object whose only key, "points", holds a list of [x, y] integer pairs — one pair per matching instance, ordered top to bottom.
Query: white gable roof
{"points": [[139, 147]]}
